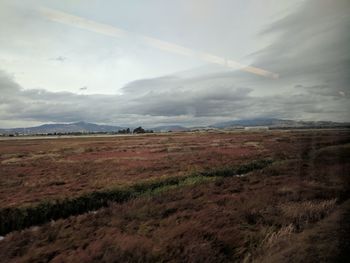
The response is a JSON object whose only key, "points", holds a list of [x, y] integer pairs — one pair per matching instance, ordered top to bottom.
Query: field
{"points": [[268, 196]]}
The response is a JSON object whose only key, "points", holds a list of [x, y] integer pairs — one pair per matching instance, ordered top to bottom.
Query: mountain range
{"points": [[276, 123], [86, 127]]}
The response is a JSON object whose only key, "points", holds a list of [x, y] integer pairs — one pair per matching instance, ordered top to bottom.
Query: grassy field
{"points": [[274, 196]]}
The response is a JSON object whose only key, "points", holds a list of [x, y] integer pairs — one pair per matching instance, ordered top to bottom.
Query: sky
{"points": [[160, 62]]}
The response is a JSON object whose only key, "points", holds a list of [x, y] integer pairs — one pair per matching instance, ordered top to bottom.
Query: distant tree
{"points": [[139, 130], [124, 131]]}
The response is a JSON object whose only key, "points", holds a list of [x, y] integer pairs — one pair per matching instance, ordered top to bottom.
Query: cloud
{"points": [[112, 31], [312, 44], [310, 51], [59, 59], [7, 85], [203, 98], [184, 100]]}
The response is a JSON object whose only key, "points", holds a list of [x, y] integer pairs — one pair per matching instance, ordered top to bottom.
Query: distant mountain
{"points": [[254, 122], [276, 123], [84, 127], [173, 128]]}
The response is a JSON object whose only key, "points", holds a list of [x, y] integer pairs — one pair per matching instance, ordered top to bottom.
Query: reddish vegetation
{"points": [[33, 170], [277, 214]]}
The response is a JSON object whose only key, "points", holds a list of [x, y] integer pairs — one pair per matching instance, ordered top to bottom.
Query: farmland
{"points": [[177, 197]]}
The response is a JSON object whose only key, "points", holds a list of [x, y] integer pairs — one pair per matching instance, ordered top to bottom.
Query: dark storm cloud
{"points": [[312, 44], [322, 90], [179, 101], [175, 103]]}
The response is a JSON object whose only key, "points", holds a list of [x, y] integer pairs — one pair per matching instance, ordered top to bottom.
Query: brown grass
{"points": [[302, 213], [251, 218], [274, 237]]}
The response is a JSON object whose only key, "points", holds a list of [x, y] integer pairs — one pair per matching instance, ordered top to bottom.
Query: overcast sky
{"points": [[157, 62]]}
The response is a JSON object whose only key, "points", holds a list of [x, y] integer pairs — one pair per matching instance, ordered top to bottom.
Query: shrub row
{"points": [[242, 169], [12, 219]]}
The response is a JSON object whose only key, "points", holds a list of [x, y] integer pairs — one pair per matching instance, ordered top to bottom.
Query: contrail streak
{"points": [[112, 31]]}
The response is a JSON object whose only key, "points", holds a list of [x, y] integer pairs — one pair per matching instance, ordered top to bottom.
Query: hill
{"points": [[277, 123], [84, 127]]}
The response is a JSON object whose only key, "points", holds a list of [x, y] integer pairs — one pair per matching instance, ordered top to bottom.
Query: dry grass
{"points": [[28, 168], [302, 213], [233, 219], [274, 237], [271, 238]]}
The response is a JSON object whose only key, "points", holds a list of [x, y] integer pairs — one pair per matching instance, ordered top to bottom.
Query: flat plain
{"points": [[221, 204]]}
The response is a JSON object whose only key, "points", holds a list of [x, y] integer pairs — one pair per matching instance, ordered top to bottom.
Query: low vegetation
{"points": [[290, 203], [302, 213], [18, 218]]}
